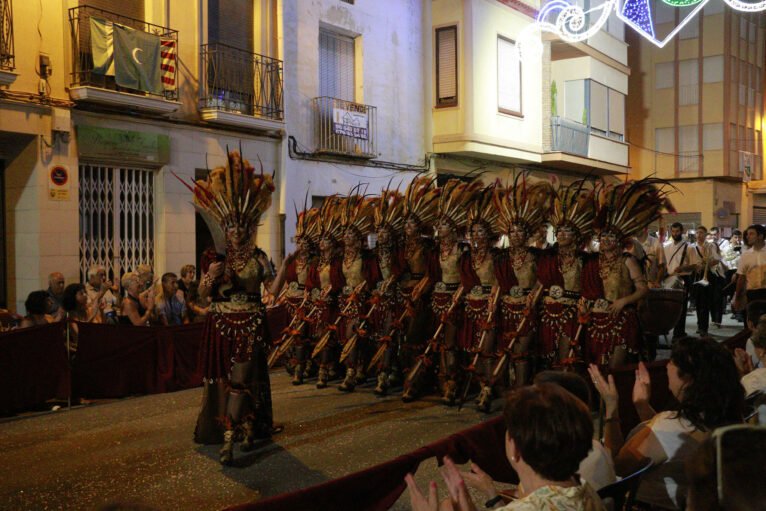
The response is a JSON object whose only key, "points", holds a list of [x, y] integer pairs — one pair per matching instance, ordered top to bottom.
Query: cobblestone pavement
{"points": [[141, 449]]}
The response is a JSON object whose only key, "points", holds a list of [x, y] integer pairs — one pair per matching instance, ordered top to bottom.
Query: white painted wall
{"points": [[389, 48]]}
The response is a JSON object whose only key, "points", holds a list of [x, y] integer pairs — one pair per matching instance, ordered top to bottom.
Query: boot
{"points": [[298, 374], [322, 377], [361, 377], [349, 382], [382, 387], [450, 390], [485, 399], [249, 440], [226, 453]]}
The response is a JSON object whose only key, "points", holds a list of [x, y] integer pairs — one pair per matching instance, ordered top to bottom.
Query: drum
{"points": [[660, 310]]}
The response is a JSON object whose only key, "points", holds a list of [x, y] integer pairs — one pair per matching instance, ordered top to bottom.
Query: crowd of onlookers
{"points": [[139, 299]]}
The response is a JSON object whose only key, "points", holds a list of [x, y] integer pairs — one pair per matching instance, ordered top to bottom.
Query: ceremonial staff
{"points": [[492, 304], [583, 318], [330, 328], [360, 329], [386, 340], [285, 343], [504, 358], [416, 368]]}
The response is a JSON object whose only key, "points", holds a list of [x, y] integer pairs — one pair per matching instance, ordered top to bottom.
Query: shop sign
{"points": [[122, 146]]}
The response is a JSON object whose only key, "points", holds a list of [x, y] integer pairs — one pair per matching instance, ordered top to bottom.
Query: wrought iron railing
{"points": [[82, 55], [7, 59], [240, 81], [346, 128], [569, 136]]}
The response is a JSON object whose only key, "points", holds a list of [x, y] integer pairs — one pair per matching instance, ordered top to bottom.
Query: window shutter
{"points": [[133, 9], [230, 22], [336, 65], [446, 66], [664, 75], [508, 77], [599, 99], [616, 112]]}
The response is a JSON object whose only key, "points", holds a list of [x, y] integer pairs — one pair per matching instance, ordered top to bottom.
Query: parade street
{"points": [[141, 448]]}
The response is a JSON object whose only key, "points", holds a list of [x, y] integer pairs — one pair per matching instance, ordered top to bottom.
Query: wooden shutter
{"points": [[132, 9], [230, 22], [336, 65], [446, 66]]}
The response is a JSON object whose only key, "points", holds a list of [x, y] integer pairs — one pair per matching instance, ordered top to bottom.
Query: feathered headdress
{"points": [[232, 195], [455, 195], [421, 200], [525, 206], [574, 206], [625, 209], [482, 210], [389, 211], [358, 212], [330, 218], [308, 225]]}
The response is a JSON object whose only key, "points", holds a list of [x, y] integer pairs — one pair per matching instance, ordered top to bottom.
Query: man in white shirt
{"points": [[676, 257], [751, 270], [708, 286], [99, 289]]}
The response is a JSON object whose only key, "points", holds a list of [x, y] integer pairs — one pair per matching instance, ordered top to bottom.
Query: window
{"points": [[231, 22], [615, 26], [690, 30], [336, 65], [446, 66], [712, 69], [664, 73], [508, 77], [688, 81], [575, 101], [599, 107], [616, 114], [712, 137], [664, 140], [688, 148], [116, 218]]}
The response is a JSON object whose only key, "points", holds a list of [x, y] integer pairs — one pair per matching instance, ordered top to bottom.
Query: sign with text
{"points": [[351, 120], [123, 146], [58, 183]]}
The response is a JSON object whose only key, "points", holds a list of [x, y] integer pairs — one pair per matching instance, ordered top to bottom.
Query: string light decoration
{"points": [[571, 23]]}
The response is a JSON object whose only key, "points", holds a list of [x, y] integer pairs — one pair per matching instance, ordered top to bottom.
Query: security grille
{"points": [[116, 218]]}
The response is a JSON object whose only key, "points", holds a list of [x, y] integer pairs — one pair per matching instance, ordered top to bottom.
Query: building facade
{"points": [[696, 114]]}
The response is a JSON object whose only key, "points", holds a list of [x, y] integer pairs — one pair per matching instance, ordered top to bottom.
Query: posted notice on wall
{"points": [[350, 121], [58, 183]]}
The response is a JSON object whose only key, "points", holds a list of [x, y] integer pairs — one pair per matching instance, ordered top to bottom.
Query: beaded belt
{"points": [[443, 287]]}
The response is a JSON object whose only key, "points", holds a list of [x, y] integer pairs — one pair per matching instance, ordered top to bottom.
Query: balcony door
{"points": [[336, 65]]}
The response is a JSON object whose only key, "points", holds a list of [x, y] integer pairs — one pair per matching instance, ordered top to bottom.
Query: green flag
{"points": [[102, 46], [137, 60]]}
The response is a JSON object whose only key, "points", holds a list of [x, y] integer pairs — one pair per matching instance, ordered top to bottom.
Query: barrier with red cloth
{"points": [[110, 362], [33, 366], [377, 488]]}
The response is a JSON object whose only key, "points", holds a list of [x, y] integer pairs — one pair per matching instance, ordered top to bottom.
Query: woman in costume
{"points": [[421, 208], [522, 210], [389, 226], [481, 270], [559, 272], [293, 275], [360, 277], [613, 281], [325, 282], [448, 293], [237, 394]]}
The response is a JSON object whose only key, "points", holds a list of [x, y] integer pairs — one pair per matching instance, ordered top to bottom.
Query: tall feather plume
{"points": [[455, 195], [421, 200], [524, 205], [575, 206], [482, 209], [625, 209]]}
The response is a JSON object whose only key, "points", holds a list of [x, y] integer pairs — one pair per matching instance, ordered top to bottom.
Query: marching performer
{"points": [[421, 210], [522, 210], [389, 226], [479, 269], [558, 272], [293, 275], [360, 276], [613, 281], [325, 282], [446, 300], [237, 394]]}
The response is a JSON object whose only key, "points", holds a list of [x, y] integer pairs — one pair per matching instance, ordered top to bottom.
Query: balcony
{"points": [[7, 58], [100, 86], [240, 88], [345, 128], [569, 136]]}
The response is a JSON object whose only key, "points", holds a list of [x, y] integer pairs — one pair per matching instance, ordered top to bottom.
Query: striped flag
{"points": [[168, 64]]}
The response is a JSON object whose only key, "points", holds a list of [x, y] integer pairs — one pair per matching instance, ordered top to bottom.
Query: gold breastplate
{"points": [[450, 268], [525, 270], [486, 271], [353, 272], [324, 276], [250, 277], [617, 282]]}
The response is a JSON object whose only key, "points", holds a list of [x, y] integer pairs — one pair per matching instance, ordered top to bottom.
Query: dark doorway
{"points": [[203, 237], [3, 247]]}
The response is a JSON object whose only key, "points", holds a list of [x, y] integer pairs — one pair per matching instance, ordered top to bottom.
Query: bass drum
{"points": [[660, 310]]}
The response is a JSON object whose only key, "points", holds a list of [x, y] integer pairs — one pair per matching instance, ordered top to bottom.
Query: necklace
{"points": [[444, 253], [349, 256], [237, 258], [518, 258], [566, 258], [477, 261], [607, 263]]}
